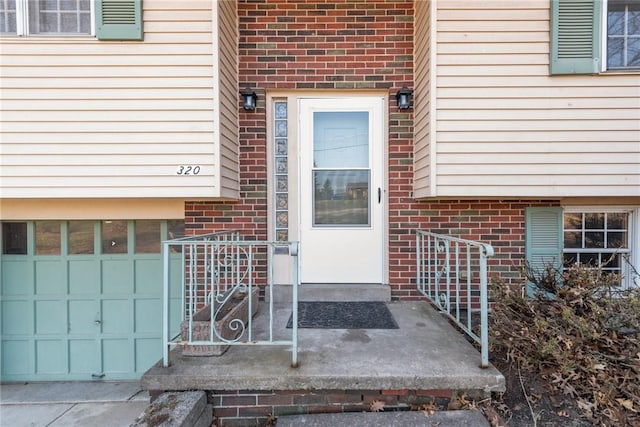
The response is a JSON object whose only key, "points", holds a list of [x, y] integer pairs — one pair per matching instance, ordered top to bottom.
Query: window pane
{"points": [[7, 16], [615, 19], [615, 52], [633, 52], [341, 139], [341, 197], [573, 221], [594, 221], [617, 221], [175, 228], [47, 237], [114, 237], [147, 237], [14, 238], [81, 238], [572, 239], [594, 239], [616, 239]]}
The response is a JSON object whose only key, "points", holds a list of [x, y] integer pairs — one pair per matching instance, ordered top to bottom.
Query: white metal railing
{"points": [[452, 274], [209, 277]]}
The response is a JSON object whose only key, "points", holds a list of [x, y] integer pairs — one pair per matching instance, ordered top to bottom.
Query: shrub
{"points": [[580, 333]]}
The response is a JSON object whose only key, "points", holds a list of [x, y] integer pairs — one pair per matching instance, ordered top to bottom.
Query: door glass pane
{"points": [[341, 139], [341, 174], [341, 197], [47, 237], [114, 237], [147, 237], [14, 238], [81, 238]]}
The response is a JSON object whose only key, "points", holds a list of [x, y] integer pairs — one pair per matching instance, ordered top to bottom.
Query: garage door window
{"points": [[47, 237], [114, 237], [147, 237], [14, 238], [81, 238]]}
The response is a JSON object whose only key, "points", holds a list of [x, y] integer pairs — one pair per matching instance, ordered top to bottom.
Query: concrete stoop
{"points": [[177, 409], [387, 419]]}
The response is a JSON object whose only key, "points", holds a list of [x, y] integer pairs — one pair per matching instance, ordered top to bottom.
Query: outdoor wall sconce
{"points": [[249, 98], [404, 98]]}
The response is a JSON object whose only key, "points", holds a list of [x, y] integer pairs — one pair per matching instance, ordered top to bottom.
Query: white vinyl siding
{"points": [[227, 78], [83, 118], [506, 128], [422, 182]]}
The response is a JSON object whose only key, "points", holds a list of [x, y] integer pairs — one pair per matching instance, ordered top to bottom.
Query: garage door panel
{"points": [[51, 277], [84, 277], [116, 277], [17, 278], [148, 279], [83, 314], [116, 316], [148, 316], [17, 317], [50, 317], [147, 351], [51, 356], [82, 356], [117, 356], [16, 358]]}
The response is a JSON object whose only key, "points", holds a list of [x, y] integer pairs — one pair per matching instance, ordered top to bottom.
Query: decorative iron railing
{"points": [[452, 274], [216, 278]]}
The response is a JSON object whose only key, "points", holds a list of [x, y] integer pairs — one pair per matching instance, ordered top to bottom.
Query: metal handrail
{"points": [[213, 268], [452, 273]]}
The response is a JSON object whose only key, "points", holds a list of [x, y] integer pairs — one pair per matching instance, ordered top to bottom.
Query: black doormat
{"points": [[344, 315]]}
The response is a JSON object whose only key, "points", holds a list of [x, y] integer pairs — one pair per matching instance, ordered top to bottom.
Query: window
{"points": [[60, 17], [107, 19], [623, 34], [591, 36], [603, 237], [597, 239]]}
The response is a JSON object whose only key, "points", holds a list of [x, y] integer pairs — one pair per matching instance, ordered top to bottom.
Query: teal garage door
{"points": [[82, 300]]}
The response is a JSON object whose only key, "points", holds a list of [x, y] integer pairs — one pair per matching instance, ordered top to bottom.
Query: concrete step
{"points": [[335, 292], [386, 419]]}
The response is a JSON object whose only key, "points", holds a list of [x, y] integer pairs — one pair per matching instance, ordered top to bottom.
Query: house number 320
{"points": [[188, 170]]}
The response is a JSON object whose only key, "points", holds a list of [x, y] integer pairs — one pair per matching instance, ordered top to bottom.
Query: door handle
{"points": [[379, 195]]}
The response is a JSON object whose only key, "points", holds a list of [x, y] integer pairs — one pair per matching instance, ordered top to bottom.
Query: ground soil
{"points": [[527, 395]]}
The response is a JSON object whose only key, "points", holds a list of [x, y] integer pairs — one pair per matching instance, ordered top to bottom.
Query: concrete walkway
{"points": [[71, 404]]}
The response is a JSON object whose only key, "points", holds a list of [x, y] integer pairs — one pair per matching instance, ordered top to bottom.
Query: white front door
{"points": [[341, 190]]}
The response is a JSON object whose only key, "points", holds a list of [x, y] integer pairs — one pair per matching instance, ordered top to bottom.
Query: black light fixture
{"points": [[249, 98], [404, 98]]}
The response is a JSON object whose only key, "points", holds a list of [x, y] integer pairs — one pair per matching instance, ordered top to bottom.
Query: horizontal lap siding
{"points": [[422, 69], [228, 105], [89, 118], [507, 128]]}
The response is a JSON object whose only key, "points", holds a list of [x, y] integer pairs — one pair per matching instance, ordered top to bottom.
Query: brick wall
{"points": [[347, 44], [254, 408]]}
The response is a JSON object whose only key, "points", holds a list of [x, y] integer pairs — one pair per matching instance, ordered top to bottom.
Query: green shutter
{"points": [[119, 19], [575, 36], [543, 238]]}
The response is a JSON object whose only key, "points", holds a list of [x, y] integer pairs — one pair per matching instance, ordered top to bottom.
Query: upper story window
{"points": [[46, 17], [623, 34], [592, 36]]}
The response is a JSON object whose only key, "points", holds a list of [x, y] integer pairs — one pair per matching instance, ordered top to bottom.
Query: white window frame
{"points": [[22, 22], [604, 37], [633, 239]]}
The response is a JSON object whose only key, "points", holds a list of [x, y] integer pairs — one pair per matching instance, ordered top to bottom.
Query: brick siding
{"points": [[347, 44], [256, 407]]}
